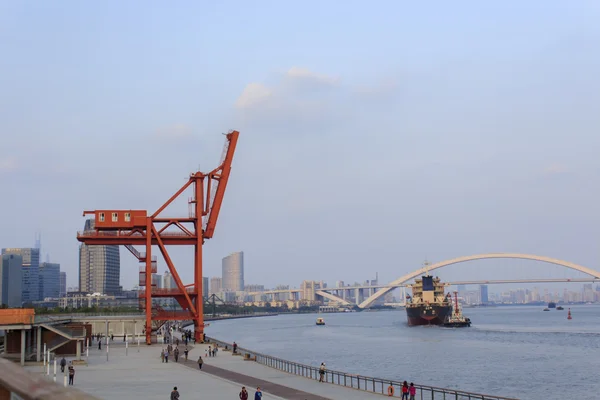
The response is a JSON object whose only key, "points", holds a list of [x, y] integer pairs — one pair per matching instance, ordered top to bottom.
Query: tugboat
{"points": [[428, 305], [457, 319], [320, 321]]}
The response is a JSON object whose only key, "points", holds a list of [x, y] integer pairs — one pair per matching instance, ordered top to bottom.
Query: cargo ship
{"points": [[428, 304]]}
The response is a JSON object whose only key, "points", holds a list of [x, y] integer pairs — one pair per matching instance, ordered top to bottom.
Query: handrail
{"points": [[354, 381], [29, 386]]}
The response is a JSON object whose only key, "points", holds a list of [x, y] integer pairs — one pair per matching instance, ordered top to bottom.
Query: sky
{"points": [[373, 135]]}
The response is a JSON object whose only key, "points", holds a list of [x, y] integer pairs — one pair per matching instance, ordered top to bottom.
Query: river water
{"points": [[517, 351]]}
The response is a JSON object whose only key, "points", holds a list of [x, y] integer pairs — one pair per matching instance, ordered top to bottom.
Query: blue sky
{"points": [[373, 135]]}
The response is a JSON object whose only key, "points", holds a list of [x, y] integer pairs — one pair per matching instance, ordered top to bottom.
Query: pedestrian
{"points": [[99, 344], [234, 347], [209, 351], [214, 352], [185, 353], [176, 354], [162, 355], [166, 356], [200, 362], [63, 363], [322, 372], [71, 374], [405, 390], [412, 390], [175, 394], [243, 394], [258, 394]]}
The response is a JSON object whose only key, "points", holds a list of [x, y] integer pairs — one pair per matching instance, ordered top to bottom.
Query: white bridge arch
{"points": [[419, 272]]}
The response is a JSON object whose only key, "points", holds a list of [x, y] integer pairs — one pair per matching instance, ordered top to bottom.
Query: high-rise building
{"points": [[99, 267], [30, 272], [233, 272], [11, 280], [49, 280], [157, 281], [168, 281], [63, 284], [216, 284], [205, 287], [483, 294]]}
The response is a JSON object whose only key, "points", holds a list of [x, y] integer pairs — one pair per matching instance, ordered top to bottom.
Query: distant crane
{"points": [[135, 227]]}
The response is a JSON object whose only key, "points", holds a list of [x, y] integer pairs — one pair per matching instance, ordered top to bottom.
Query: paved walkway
{"points": [[141, 375]]}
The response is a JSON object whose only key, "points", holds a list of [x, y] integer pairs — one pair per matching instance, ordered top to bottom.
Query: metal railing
{"points": [[354, 381], [29, 386]]}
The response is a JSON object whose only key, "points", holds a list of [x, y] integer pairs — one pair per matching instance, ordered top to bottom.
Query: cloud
{"points": [[305, 74], [253, 94], [309, 101], [174, 131], [8, 164], [555, 169]]}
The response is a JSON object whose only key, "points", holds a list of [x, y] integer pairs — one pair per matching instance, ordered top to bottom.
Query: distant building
{"points": [[99, 267], [30, 272], [233, 272], [11, 280], [49, 280], [157, 281], [168, 281], [63, 284], [216, 285], [205, 287], [254, 288], [309, 288], [483, 294]]}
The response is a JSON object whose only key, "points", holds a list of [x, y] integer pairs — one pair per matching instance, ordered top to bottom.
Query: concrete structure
{"points": [[99, 267], [30, 272], [233, 272], [11, 280], [49, 280], [63, 284], [216, 284]]}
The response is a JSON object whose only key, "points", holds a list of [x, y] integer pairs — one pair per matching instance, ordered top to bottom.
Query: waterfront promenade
{"points": [[142, 375]]}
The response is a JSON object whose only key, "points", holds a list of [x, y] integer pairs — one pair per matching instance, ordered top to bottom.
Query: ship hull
{"points": [[427, 315]]}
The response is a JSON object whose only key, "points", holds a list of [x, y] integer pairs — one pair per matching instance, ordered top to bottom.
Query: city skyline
{"points": [[446, 132]]}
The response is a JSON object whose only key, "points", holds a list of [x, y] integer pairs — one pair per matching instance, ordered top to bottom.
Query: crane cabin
{"points": [[109, 220]]}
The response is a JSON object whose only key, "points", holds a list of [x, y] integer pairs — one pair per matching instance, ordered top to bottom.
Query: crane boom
{"points": [[219, 178]]}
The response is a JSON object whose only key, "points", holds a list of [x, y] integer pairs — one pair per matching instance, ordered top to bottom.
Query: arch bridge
{"points": [[403, 279]]}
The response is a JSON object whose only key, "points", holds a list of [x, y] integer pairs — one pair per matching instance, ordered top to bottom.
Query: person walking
{"points": [[234, 347], [185, 353], [210, 353], [176, 354], [162, 355], [166, 356], [200, 362], [63, 364], [322, 372], [71, 374], [412, 390], [405, 391], [244, 393], [175, 394], [258, 394]]}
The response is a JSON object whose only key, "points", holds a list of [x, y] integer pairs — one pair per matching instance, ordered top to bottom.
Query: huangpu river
{"points": [[516, 351]]}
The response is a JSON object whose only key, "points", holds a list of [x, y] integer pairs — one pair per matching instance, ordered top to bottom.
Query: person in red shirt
{"points": [[412, 390], [405, 391]]}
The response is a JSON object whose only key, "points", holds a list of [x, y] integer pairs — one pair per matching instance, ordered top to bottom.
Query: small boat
{"points": [[560, 308], [546, 309], [456, 319], [320, 321]]}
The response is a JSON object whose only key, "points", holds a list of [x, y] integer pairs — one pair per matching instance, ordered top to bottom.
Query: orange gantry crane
{"points": [[135, 228]]}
